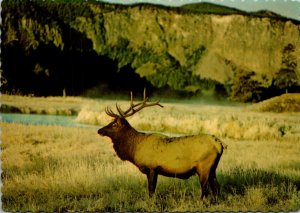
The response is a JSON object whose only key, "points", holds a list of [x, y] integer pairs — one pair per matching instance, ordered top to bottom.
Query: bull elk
{"points": [[157, 154]]}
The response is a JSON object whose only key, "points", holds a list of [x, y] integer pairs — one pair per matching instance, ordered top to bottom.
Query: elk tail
{"points": [[220, 145]]}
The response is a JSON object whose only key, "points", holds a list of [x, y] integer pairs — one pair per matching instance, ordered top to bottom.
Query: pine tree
{"points": [[286, 77]]}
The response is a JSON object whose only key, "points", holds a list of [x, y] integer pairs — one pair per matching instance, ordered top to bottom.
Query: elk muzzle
{"points": [[102, 131]]}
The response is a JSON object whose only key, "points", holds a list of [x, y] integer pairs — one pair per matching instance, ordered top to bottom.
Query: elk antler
{"points": [[132, 109], [109, 112]]}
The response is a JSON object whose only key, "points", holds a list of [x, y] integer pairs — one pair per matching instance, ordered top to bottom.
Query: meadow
{"points": [[56, 168]]}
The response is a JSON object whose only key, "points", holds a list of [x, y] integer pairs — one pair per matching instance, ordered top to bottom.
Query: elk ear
{"points": [[119, 122]]}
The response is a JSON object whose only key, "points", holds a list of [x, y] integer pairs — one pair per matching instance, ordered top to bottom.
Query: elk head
{"points": [[120, 125]]}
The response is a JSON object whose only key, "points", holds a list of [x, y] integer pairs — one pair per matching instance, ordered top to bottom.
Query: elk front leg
{"points": [[152, 180]]}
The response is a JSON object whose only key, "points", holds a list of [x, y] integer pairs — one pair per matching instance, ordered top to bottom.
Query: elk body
{"points": [[157, 154]]}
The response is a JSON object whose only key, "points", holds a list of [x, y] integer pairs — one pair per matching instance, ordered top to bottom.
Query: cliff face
{"points": [[228, 41], [168, 46]]}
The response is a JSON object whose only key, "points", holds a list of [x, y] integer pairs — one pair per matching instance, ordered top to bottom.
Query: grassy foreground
{"points": [[51, 168], [54, 168]]}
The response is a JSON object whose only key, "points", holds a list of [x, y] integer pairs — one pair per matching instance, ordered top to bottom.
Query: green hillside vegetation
{"points": [[82, 46]]}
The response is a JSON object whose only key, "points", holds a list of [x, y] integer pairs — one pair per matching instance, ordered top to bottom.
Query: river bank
{"points": [[42, 105], [223, 120]]}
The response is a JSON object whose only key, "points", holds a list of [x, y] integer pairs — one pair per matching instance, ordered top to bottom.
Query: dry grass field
{"points": [[42, 105], [55, 168]]}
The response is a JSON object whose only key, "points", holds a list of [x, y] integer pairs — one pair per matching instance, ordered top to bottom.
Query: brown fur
{"points": [[156, 154]]}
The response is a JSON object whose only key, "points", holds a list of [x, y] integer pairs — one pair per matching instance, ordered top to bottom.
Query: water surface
{"points": [[35, 119]]}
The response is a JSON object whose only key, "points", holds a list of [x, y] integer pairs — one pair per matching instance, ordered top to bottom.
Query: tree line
{"points": [[43, 54]]}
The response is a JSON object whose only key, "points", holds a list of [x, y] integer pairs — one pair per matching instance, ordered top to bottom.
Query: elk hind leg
{"points": [[203, 174], [213, 182], [214, 185]]}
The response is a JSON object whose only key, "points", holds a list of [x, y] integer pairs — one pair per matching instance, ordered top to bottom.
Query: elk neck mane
{"points": [[125, 143]]}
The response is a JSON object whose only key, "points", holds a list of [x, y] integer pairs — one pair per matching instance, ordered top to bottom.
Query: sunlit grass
{"points": [[233, 122], [52, 168]]}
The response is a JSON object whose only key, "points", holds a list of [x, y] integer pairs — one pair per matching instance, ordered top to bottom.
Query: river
{"points": [[35, 119]]}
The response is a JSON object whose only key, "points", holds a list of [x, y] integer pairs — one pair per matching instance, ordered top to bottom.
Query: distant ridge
{"points": [[199, 8], [210, 8], [267, 13]]}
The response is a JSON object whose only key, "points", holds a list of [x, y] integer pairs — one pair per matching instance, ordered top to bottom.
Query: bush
{"points": [[245, 88]]}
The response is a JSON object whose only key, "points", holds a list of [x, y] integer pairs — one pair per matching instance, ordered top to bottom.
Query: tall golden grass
{"points": [[235, 122], [55, 168]]}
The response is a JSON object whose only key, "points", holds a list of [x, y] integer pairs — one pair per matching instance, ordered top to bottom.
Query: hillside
{"points": [[82, 45], [283, 103]]}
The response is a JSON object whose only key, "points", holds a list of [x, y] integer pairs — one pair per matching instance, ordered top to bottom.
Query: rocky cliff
{"points": [[181, 48]]}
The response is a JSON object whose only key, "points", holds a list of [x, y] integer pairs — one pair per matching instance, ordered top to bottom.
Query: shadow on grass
{"points": [[237, 180], [118, 193], [121, 194]]}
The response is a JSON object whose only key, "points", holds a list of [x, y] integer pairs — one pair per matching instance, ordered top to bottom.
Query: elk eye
{"points": [[115, 125]]}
